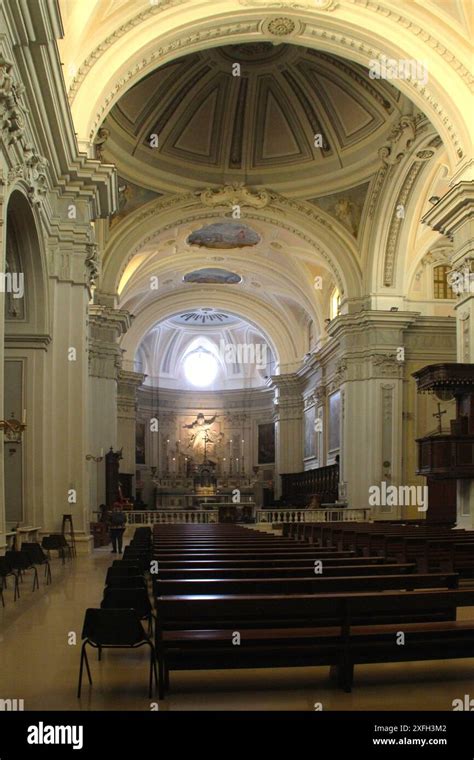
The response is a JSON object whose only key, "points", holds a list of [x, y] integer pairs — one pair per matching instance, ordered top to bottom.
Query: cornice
{"points": [[452, 210], [107, 317], [365, 320], [25, 340], [130, 379]]}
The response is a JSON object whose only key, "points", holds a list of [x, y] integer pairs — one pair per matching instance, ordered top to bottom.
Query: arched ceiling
{"points": [[288, 110], [276, 276], [242, 353]]}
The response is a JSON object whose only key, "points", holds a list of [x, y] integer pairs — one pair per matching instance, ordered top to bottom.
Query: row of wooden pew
{"points": [[430, 547], [231, 597]]}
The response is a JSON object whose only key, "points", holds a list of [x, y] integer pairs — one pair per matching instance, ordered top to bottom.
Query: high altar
{"points": [[202, 472]]}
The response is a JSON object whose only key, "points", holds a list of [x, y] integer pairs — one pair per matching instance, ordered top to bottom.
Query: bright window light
{"points": [[200, 368]]}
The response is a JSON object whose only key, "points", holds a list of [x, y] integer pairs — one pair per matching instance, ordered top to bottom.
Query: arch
{"points": [[378, 30], [22, 221], [327, 237], [287, 346]]}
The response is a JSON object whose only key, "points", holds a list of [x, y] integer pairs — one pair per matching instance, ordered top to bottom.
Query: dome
{"points": [[280, 116]]}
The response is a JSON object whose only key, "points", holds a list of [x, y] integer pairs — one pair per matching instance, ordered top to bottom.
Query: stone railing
{"points": [[333, 514], [170, 516]]}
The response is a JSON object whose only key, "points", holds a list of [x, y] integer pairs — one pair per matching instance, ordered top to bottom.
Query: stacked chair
{"points": [[16, 563], [126, 605]]}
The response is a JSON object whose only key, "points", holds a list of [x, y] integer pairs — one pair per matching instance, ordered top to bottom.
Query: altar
{"points": [[238, 512]]}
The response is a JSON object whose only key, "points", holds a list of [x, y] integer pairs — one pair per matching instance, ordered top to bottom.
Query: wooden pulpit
{"points": [[445, 457]]}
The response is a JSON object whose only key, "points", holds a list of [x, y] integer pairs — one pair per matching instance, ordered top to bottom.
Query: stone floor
{"points": [[38, 665]]}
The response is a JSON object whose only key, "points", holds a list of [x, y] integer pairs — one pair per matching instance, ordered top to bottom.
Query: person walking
{"points": [[118, 520]]}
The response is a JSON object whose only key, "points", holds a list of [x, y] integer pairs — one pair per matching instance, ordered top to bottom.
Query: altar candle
{"points": [[24, 417], [243, 446], [102, 453]]}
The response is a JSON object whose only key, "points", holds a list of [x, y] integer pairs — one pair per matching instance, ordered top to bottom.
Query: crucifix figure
{"points": [[439, 414]]}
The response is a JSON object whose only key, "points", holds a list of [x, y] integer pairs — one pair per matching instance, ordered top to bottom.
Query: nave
{"points": [[36, 630]]}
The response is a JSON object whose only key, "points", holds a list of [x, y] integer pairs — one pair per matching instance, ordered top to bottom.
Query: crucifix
{"points": [[439, 414]]}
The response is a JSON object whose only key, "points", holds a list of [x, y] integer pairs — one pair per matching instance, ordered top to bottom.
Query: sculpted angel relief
{"points": [[204, 437]]}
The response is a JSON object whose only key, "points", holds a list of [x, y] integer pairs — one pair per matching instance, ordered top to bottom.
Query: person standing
{"points": [[118, 520]]}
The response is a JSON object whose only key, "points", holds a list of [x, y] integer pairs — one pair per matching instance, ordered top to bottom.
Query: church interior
{"points": [[238, 343]]}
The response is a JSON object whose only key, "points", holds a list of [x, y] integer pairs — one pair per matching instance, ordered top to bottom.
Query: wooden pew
{"points": [[180, 573], [308, 585], [342, 630]]}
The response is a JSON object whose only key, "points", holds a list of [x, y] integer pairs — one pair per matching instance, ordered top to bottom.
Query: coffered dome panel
{"points": [[253, 113]]}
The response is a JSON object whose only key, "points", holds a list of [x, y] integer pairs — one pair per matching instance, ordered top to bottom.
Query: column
{"points": [[453, 216], [106, 326], [2, 356], [370, 380], [128, 384], [288, 417]]}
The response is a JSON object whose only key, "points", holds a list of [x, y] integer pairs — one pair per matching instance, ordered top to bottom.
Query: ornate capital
{"points": [[34, 173], [387, 365], [320, 394]]}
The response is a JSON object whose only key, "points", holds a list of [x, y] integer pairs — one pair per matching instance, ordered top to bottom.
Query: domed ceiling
{"points": [[258, 126]]}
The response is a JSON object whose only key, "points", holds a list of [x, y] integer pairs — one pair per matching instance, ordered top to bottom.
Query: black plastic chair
{"points": [[57, 542], [38, 557], [21, 562], [137, 562], [7, 570], [122, 571], [126, 581], [129, 598], [114, 629]]}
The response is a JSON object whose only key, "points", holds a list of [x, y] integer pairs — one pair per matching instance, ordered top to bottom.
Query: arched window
{"points": [[441, 287], [334, 303], [200, 367]]}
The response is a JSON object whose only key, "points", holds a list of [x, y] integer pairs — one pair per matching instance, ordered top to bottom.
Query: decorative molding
{"points": [[315, 5], [116, 35], [12, 110], [99, 142], [399, 142], [33, 172], [377, 186], [235, 194], [396, 223], [92, 263], [461, 279], [387, 365], [339, 376], [320, 394]]}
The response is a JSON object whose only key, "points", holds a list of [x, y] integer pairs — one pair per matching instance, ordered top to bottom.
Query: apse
{"points": [[207, 349]]}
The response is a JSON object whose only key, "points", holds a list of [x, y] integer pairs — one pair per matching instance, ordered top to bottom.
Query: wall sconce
{"points": [[13, 430], [92, 458]]}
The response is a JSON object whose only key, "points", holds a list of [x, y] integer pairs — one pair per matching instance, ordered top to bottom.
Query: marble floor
{"points": [[39, 664]]}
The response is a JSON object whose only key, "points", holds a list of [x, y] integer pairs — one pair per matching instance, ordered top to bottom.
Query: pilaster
{"points": [[453, 216], [128, 384], [288, 417]]}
